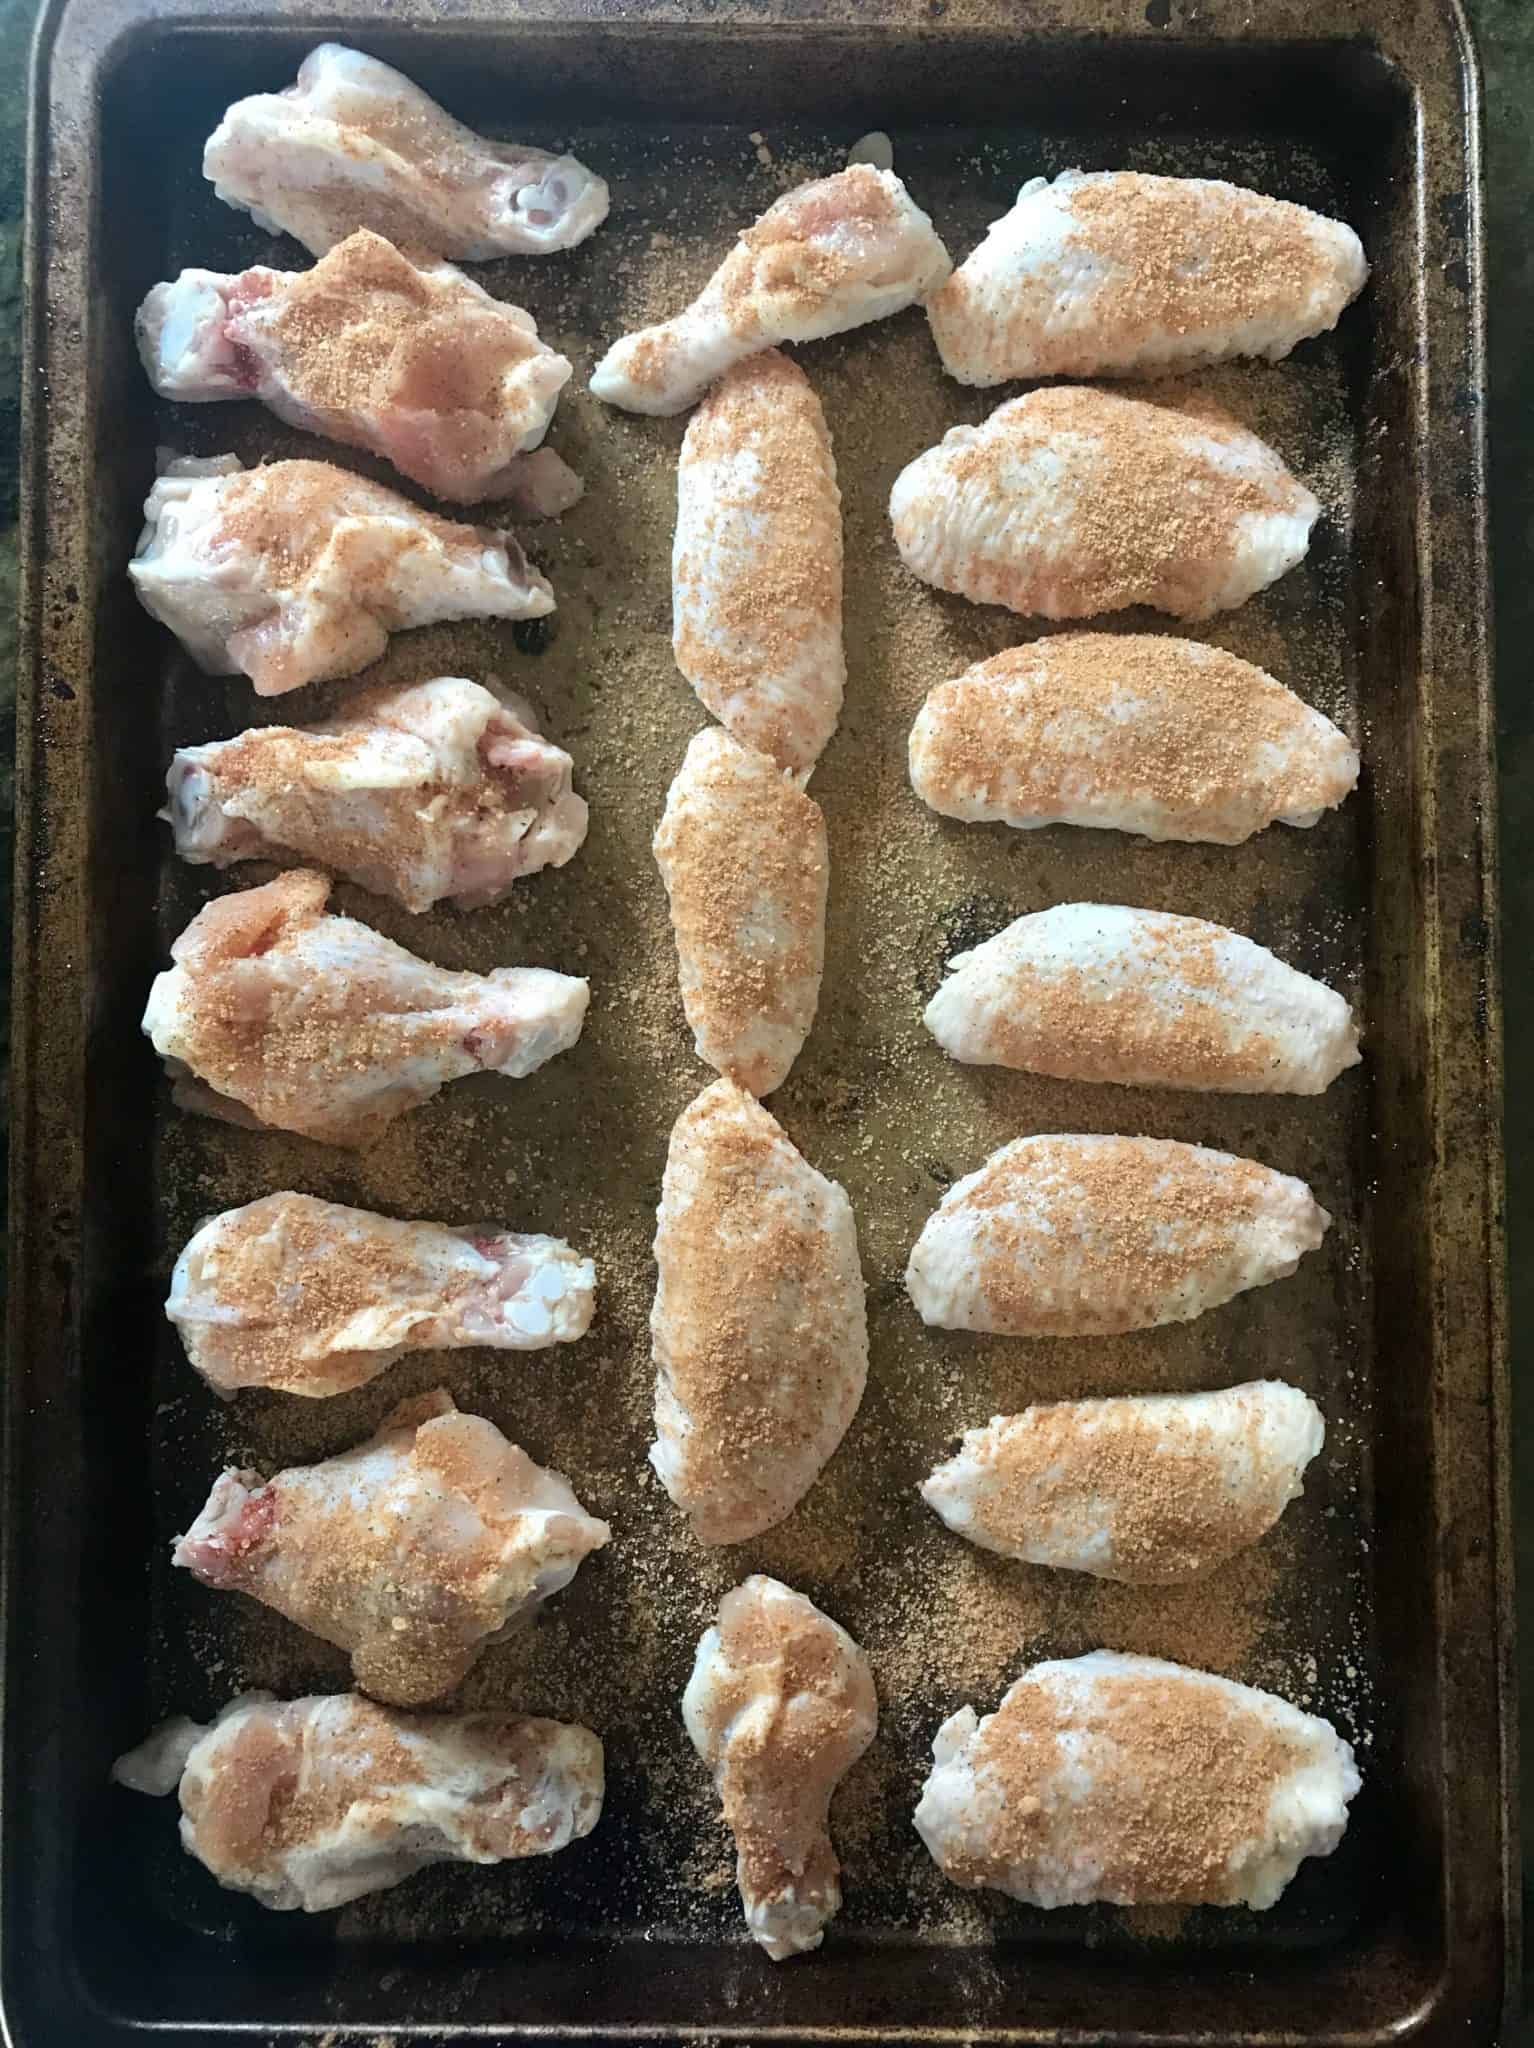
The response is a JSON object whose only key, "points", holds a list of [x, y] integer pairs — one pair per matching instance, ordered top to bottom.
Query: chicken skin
{"points": [[353, 144], [830, 255], [1110, 273], [401, 355], [1070, 501], [756, 567], [296, 572], [1128, 732], [440, 792], [742, 853], [1098, 992], [289, 1018], [1067, 1236], [311, 1298], [759, 1329], [1149, 1489], [411, 1552], [780, 1706], [1137, 1782], [307, 1804]]}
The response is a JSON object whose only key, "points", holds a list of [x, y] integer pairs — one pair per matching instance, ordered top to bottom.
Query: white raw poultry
{"points": [[352, 143], [827, 256], [1111, 273], [399, 354], [1070, 501], [756, 565], [295, 572], [1133, 732], [443, 791], [742, 853], [1100, 992], [304, 1022], [1071, 1236], [308, 1297], [759, 1328], [1149, 1489], [411, 1552], [780, 1705], [1137, 1782], [309, 1803]]}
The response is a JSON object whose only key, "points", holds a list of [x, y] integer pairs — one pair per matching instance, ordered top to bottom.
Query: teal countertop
{"points": [[1505, 30]]}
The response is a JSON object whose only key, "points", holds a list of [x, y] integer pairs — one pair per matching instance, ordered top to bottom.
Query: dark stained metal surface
{"points": [[1385, 1600]]}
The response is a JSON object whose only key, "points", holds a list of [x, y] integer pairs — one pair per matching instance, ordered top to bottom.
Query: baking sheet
{"points": [[578, 1149]]}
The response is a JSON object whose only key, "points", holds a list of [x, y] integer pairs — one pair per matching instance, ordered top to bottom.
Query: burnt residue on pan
{"points": [[1379, 1600]]}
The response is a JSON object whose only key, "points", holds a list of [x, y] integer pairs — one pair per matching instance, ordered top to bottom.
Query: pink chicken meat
{"points": [[399, 354], [297, 572], [441, 792], [276, 1014], [412, 1552]]}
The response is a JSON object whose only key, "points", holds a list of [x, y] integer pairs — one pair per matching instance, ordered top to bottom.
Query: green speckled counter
{"points": [[1506, 35]]}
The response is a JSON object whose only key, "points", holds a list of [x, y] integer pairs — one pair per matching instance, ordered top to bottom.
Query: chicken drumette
{"points": [[353, 144], [374, 348], [298, 571], [440, 791], [284, 1016], [412, 1551], [309, 1803]]}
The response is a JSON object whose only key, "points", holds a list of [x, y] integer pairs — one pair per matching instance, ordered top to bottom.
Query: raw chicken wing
{"points": [[353, 144], [827, 256], [1110, 272], [404, 356], [1070, 501], [756, 569], [298, 571], [1127, 731], [443, 791], [742, 853], [1097, 992], [289, 1018], [1087, 1236], [308, 1297], [759, 1330], [1150, 1489], [412, 1552], [780, 1705], [1137, 1782], [310, 1803]]}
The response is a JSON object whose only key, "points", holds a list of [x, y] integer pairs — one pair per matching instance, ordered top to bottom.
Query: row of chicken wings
{"points": [[437, 1536]]}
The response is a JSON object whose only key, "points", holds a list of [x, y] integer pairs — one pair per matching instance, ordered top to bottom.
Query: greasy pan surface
{"points": [[1380, 1600]]}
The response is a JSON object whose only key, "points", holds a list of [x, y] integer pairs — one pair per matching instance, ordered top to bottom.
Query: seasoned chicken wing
{"points": [[353, 144], [827, 256], [1111, 272], [403, 355], [1070, 501], [756, 568], [298, 571], [1128, 731], [442, 791], [742, 853], [1098, 992], [287, 1017], [1067, 1236], [308, 1297], [759, 1329], [1149, 1489], [412, 1551], [780, 1705], [1137, 1782], [310, 1803]]}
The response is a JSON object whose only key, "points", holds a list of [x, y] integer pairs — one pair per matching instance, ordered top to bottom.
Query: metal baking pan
{"points": [[1383, 1598]]}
